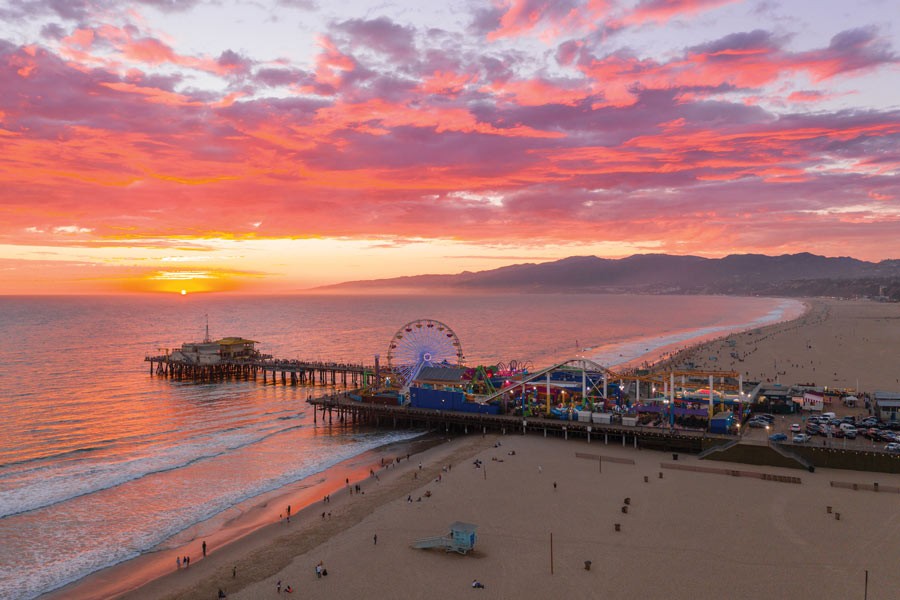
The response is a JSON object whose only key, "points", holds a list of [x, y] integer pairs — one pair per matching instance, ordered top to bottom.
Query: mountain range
{"points": [[801, 274]]}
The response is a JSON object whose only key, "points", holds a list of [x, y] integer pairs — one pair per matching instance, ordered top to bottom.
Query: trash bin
{"points": [[674, 457], [587, 565]]}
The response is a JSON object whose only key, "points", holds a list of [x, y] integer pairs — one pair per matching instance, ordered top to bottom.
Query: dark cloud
{"points": [[301, 4], [81, 10], [486, 19], [53, 31], [381, 35], [756, 40], [856, 49], [234, 62], [272, 77]]}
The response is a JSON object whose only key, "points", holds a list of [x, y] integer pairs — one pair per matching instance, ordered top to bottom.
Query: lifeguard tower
{"points": [[461, 539]]}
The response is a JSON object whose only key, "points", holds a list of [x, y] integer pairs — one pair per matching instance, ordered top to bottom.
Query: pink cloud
{"points": [[660, 11], [552, 17], [741, 61], [447, 83], [395, 135]]}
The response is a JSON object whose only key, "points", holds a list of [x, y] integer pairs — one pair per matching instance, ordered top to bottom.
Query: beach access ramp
{"points": [[461, 539]]}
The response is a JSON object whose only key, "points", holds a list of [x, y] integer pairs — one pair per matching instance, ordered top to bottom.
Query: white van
{"points": [[828, 415]]}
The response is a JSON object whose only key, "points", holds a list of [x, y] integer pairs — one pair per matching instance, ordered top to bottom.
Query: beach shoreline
{"points": [[839, 344], [257, 517], [252, 554]]}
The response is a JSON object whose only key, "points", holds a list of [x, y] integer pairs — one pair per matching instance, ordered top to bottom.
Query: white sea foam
{"points": [[648, 347], [148, 529]]}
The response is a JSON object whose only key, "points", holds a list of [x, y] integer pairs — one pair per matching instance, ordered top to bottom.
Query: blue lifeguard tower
{"points": [[461, 539]]}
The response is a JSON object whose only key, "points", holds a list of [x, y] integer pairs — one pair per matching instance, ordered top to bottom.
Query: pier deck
{"points": [[293, 372], [346, 409]]}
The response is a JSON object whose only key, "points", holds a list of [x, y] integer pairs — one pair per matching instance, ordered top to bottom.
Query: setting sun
{"points": [[184, 292]]}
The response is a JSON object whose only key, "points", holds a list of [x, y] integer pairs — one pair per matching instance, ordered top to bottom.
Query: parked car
{"points": [[757, 423], [795, 428], [871, 433], [850, 434], [883, 435], [778, 437], [800, 438], [893, 447]]}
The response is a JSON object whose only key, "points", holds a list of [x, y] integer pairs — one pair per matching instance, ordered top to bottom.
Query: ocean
{"points": [[100, 462]]}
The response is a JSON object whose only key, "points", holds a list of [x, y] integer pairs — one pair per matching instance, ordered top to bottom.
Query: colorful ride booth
{"points": [[572, 390], [714, 410]]}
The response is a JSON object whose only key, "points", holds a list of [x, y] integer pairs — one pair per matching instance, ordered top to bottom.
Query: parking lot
{"points": [[782, 424]]}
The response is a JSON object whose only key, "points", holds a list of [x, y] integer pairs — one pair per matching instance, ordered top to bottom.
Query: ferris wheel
{"points": [[422, 343]]}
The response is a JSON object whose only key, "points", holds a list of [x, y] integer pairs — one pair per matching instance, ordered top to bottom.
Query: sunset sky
{"points": [[272, 145]]}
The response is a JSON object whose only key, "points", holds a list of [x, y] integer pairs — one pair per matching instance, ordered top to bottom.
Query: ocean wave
{"points": [[45, 486], [147, 532]]}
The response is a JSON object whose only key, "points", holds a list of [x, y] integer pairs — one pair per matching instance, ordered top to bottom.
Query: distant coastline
{"points": [[790, 275]]}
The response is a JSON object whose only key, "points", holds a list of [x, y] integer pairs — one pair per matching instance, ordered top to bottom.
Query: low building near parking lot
{"points": [[773, 397], [887, 405]]}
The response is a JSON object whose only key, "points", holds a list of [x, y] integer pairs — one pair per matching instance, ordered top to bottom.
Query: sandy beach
{"points": [[846, 344], [686, 535]]}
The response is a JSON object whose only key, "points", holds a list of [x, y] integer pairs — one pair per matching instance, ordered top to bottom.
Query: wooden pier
{"points": [[289, 372], [341, 408]]}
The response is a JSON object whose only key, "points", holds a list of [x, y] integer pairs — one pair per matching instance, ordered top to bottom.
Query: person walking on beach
{"points": [[375, 540], [204, 548], [178, 562], [234, 571], [278, 586]]}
